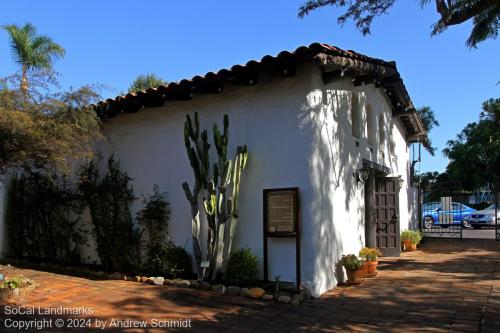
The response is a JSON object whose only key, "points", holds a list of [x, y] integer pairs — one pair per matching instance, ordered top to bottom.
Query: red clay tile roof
{"points": [[285, 61]]}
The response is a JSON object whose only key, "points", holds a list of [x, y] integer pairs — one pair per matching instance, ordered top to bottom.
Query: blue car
{"points": [[433, 215]]}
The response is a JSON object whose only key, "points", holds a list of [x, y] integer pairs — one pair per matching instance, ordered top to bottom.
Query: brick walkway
{"points": [[448, 286]]}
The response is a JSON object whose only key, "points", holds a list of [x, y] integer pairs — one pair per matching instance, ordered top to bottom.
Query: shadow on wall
{"points": [[334, 158]]}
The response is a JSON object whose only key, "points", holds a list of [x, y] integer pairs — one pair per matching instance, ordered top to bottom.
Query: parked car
{"points": [[433, 215], [481, 218]]}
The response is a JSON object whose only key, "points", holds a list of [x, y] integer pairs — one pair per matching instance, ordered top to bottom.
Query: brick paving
{"points": [[446, 286]]}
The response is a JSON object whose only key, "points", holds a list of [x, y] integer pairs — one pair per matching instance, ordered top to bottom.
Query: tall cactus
{"points": [[199, 160], [240, 163], [220, 205]]}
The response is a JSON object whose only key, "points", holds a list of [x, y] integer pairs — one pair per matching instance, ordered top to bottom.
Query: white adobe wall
{"points": [[299, 134], [336, 215]]}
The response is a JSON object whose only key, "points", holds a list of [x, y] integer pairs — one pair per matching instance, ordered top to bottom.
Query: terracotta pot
{"points": [[409, 246], [370, 268], [355, 277]]}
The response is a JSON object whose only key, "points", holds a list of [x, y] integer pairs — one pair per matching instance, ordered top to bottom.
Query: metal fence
{"points": [[454, 215]]}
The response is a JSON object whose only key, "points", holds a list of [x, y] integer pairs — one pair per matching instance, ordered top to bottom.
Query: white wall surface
{"points": [[299, 134]]}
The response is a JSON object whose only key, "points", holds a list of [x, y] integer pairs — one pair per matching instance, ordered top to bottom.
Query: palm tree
{"points": [[31, 51]]}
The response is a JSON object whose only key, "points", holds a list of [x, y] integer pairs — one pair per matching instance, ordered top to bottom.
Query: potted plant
{"points": [[411, 238], [370, 256], [354, 268]]}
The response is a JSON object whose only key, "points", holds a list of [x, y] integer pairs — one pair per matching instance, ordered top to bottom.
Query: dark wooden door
{"points": [[387, 216]]}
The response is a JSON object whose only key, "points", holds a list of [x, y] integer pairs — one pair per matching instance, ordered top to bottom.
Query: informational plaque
{"points": [[281, 211], [281, 219]]}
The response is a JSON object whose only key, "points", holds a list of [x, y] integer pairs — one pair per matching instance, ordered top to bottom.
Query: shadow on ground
{"points": [[448, 285]]}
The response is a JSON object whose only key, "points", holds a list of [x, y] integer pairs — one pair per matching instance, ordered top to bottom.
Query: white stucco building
{"points": [[312, 119]]}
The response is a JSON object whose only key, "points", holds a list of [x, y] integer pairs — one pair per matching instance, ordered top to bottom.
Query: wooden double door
{"points": [[387, 216]]}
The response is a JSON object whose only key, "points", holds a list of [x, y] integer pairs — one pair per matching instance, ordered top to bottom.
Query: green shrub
{"points": [[108, 198], [42, 214], [153, 217], [412, 235], [176, 261], [351, 262], [242, 268]]}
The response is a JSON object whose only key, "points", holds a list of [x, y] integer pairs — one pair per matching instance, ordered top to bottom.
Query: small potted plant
{"points": [[410, 239], [370, 256], [354, 268]]}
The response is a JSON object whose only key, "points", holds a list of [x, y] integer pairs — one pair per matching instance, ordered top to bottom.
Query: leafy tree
{"points": [[484, 13], [32, 51], [146, 81], [429, 120], [51, 131], [475, 153]]}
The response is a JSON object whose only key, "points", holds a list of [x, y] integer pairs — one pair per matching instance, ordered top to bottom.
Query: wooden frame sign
{"points": [[281, 219]]}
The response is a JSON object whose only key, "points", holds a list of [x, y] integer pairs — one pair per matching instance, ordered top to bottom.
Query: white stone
{"points": [[284, 299]]}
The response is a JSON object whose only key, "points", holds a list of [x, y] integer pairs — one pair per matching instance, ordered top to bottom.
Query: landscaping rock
{"points": [[99, 274], [115, 276], [135, 278], [143, 279], [150, 280], [158, 281], [168, 282], [184, 284], [195, 284], [204, 285], [218, 288], [233, 290], [16, 292], [244, 292], [255, 292], [267, 297], [284, 299], [295, 302]]}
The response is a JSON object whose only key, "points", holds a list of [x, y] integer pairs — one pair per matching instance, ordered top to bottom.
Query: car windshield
{"points": [[431, 206]]}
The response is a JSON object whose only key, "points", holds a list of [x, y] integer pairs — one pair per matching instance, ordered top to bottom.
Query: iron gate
{"points": [[446, 214]]}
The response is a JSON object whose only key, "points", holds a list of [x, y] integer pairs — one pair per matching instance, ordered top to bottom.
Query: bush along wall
{"points": [[108, 198], [42, 215], [153, 218], [44, 222]]}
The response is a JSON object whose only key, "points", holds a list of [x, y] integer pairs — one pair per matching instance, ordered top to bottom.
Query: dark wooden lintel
{"points": [[249, 79], [208, 87]]}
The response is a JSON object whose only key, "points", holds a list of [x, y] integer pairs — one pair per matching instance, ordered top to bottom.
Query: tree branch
{"points": [[453, 17]]}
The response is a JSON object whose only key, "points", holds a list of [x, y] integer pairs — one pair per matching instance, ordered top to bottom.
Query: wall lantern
{"points": [[361, 175], [400, 181]]}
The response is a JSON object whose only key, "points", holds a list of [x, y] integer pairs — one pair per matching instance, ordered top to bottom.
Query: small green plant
{"points": [[413, 236], [369, 253], [176, 260], [351, 262], [242, 268], [12, 283]]}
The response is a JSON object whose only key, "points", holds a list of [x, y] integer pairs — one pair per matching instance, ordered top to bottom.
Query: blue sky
{"points": [[111, 42]]}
